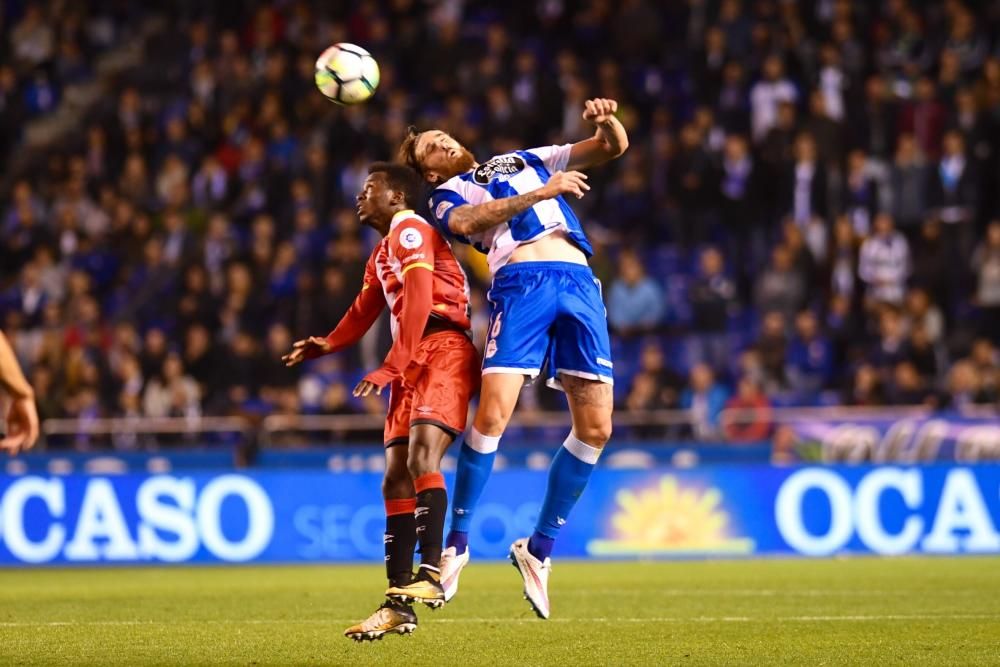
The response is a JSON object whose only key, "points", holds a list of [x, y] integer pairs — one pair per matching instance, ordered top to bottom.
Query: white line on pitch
{"points": [[751, 592], [654, 619]]}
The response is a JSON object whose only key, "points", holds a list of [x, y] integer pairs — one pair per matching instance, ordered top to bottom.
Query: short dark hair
{"points": [[408, 149], [401, 178]]}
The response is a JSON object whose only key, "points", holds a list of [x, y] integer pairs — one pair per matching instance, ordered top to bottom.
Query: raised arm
{"points": [[610, 140], [469, 219], [22, 418]]}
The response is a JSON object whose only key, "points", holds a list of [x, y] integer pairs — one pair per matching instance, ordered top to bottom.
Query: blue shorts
{"points": [[548, 315]]}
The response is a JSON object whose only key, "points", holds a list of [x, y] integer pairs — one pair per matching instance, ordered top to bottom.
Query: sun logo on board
{"points": [[669, 519]]}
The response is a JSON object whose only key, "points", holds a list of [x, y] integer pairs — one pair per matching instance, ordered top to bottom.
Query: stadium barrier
{"points": [[269, 428], [819, 434], [725, 511]]}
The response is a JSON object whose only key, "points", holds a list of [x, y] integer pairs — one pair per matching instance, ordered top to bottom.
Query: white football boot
{"points": [[451, 567], [535, 574]]}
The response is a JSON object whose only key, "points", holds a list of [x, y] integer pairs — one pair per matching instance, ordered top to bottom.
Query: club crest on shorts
{"points": [[410, 239]]}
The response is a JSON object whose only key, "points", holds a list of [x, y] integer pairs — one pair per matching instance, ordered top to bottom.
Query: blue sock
{"points": [[475, 463], [568, 476], [458, 539], [540, 546]]}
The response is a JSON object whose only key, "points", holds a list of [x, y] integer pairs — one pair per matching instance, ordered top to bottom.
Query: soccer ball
{"points": [[347, 74]]}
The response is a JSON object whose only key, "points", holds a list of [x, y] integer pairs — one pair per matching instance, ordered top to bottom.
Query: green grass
{"points": [[862, 611]]}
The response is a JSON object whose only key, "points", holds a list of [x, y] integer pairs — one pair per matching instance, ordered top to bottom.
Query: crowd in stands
{"points": [[808, 213]]}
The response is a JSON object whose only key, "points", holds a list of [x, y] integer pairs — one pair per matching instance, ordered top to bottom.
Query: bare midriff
{"points": [[554, 247]]}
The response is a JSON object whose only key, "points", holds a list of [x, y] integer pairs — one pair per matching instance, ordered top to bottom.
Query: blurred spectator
{"points": [[33, 40], [967, 44], [766, 94], [923, 117], [873, 122], [824, 129], [777, 148], [909, 183], [740, 184], [804, 184], [690, 186], [861, 193], [954, 195], [807, 245], [843, 259], [884, 263], [931, 264], [986, 264], [780, 287], [28, 295], [713, 297], [635, 301], [921, 313], [844, 329], [772, 346], [890, 348], [923, 354], [810, 357], [201, 358], [987, 361], [242, 377], [275, 378], [655, 385], [965, 386], [908, 387], [866, 388], [171, 393], [645, 394], [704, 399], [747, 417]]}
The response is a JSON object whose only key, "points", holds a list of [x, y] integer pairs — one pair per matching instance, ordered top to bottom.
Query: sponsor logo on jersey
{"points": [[500, 168], [410, 239]]}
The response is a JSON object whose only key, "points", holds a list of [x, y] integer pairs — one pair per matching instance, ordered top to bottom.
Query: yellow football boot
{"points": [[425, 587], [391, 618]]}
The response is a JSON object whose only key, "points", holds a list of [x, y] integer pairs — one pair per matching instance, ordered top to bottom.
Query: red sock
{"points": [[430, 480], [432, 505], [400, 539]]}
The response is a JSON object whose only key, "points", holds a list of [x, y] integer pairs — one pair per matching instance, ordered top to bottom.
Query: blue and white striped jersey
{"points": [[507, 175]]}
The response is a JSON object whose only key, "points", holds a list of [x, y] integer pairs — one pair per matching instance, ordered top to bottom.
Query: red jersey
{"points": [[414, 271]]}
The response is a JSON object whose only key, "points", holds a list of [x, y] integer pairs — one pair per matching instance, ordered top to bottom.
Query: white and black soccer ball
{"points": [[347, 74]]}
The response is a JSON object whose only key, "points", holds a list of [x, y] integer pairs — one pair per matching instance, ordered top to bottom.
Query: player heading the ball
{"points": [[547, 316]]}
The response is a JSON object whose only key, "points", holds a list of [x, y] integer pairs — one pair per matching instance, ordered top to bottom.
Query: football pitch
{"points": [[863, 611]]}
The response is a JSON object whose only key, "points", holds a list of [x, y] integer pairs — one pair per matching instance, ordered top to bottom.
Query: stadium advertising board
{"points": [[882, 438], [319, 516]]}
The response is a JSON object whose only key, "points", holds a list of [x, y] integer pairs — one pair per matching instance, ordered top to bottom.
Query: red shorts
{"points": [[435, 388]]}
